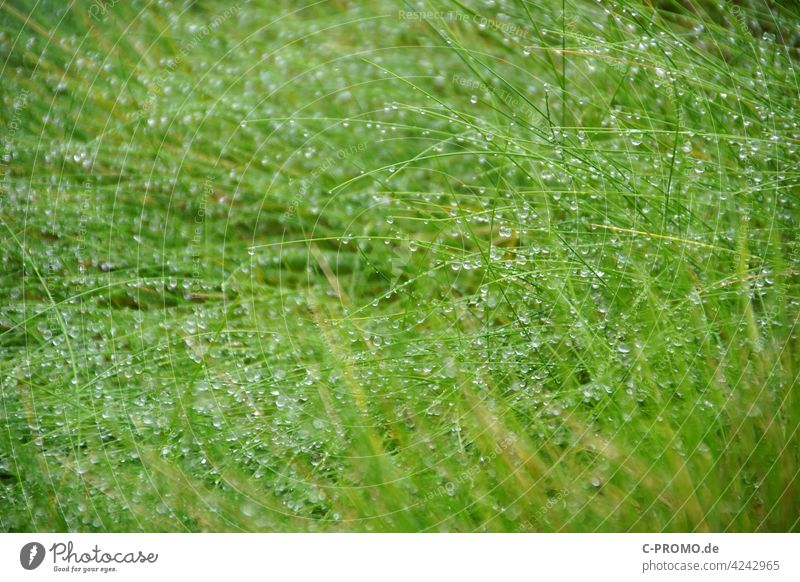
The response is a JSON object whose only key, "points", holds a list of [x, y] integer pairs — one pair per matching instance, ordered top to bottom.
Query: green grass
{"points": [[508, 266]]}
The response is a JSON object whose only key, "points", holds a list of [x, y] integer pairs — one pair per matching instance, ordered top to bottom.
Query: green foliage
{"points": [[507, 266]]}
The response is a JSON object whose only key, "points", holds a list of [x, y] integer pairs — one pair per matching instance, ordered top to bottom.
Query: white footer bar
{"points": [[400, 557]]}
